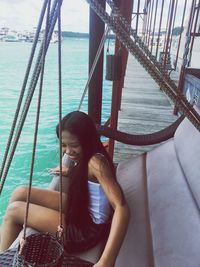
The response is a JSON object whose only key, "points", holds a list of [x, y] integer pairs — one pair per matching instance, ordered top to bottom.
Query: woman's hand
{"points": [[56, 170], [102, 265]]}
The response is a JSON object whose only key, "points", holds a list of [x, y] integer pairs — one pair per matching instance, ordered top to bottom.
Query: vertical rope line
{"points": [[152, 7], [148, 19], [144, 21], [154, 24], [172, 28], [159, 29], [194, 31], [180, 36], [94, 64], [23, 87], [29, 97], [60, 107], [37, 119]]}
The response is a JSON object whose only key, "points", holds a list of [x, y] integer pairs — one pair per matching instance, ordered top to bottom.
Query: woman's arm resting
{"points": [[104, 175], [117, 233]]}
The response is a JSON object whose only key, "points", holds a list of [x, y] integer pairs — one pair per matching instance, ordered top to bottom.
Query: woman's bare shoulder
{"points": [[98, 160], [99, 166]]}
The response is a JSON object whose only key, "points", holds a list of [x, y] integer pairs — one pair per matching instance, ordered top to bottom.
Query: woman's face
{"points": [[71, 146]]}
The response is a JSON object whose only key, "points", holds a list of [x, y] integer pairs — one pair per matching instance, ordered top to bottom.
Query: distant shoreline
{"points": [[80, 35]]}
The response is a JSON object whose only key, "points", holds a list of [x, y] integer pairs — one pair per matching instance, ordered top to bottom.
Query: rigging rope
{"points": [[144, 56], [94, 64], [33, 83], [23, 87], [60, 118], [37, 121]]}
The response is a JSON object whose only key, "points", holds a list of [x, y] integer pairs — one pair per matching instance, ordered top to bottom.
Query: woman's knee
{"points": [[19, 194], [13, 211]]}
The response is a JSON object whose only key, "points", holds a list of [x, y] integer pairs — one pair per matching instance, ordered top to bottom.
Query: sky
{"points": [[24, 14]]}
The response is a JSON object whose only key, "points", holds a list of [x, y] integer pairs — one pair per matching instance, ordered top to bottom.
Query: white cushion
{"points": [[187, 145], [174, 217], [136, 249]]}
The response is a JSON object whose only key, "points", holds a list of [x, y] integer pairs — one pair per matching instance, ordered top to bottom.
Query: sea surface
{"points": [[13, 63]]}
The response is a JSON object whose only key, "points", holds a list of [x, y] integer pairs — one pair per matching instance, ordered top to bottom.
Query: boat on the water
{"points": [[161, 183]]}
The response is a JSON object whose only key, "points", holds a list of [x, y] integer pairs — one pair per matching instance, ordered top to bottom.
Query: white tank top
{"points": [[99, 205]]}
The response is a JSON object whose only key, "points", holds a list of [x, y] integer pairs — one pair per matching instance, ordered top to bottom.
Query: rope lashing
{"points": [[163, 81]]}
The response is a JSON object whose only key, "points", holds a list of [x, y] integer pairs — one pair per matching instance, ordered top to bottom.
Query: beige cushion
{"points": [[187, 145], [174, 217], [136, 249]]}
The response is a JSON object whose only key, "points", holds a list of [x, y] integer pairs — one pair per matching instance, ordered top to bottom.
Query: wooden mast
{"points": [[126, 7], [96, 31]]}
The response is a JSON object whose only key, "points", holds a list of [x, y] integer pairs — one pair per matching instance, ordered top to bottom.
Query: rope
{"points": [[114, 12], [94, 65], [33, 84], [166, 84], [23, 87], [37, 120], [142, 139], [60, 227]]}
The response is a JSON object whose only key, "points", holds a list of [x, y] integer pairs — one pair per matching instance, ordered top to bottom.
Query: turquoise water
{"points": [[14, 59]]}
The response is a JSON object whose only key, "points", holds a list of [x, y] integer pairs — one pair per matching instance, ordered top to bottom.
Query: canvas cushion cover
{"points": [[187, 146], [174, 217], [136, 249]]}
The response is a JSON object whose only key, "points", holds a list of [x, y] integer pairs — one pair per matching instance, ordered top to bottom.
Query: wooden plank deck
{"points": [[144, 109]]}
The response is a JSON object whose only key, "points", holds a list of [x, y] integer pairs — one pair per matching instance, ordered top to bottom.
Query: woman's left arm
{"points": [[121, 212]]}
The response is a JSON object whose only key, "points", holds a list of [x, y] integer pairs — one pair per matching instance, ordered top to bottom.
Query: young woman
{"points": [[94, 205]]}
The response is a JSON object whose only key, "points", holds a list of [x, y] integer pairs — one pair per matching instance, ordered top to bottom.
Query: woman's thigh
{"points": [[42, 197], [40, 218]]}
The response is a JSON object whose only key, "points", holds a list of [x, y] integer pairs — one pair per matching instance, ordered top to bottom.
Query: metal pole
{"points": [[137, 17], [174, 18], [144, 21], [150, 21], [154, 24], [159, 29], [169, 32], [193, 34], [180, 36], [185, 54]]}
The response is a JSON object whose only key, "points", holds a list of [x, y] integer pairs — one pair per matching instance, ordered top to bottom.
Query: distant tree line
{"points": [[176, 31], [81, 35]]}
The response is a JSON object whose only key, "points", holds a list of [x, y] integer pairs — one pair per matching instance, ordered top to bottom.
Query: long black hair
{"points": [[82, 126]]}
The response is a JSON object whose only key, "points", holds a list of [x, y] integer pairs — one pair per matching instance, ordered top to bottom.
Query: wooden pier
{"points": [[144, 109]]}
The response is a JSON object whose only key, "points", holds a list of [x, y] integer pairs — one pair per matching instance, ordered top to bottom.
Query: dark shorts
{"points": [[78, 241]]}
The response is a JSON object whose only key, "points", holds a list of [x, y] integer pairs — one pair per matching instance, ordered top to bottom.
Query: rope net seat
{"points": [[40, 250], [6, 260]]}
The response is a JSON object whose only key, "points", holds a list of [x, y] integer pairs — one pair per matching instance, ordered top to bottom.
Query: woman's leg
{"points": [[43, 197], [41, 218]]}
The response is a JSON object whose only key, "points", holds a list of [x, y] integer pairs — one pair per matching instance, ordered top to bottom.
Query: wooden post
{"points": [[126, 7], [96, 31]]}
